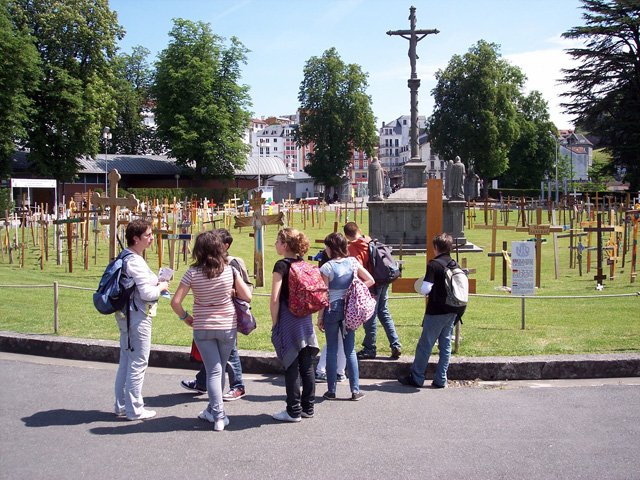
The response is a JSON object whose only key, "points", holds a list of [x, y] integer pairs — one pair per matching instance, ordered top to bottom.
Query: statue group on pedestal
{"points": [[458, 185]]}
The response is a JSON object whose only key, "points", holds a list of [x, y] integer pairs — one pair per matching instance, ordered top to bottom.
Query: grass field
{"points": [[582, 321]]}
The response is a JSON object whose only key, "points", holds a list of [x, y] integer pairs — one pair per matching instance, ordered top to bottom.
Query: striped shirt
{"points": [[212, 305]]}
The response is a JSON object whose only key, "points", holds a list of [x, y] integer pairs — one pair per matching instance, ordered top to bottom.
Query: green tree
{"points": [[76, 41], [19, 73], [133, 79], [605, 87], [201, 109], [475, 114], [335, 116], [532, 155]]}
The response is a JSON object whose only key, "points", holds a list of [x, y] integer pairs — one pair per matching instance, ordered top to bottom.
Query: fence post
{"points": [[55, 307], [523, 322]]}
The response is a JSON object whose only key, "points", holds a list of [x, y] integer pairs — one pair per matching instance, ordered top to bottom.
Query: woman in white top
{"points": [[338, 273], [213, 283], [135, 339]]}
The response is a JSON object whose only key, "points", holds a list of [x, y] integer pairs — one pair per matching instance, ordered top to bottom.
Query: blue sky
{"points": [[283, 34]]}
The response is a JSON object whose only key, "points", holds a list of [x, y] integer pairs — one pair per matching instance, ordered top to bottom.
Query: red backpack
{"points": [[307, 291]]}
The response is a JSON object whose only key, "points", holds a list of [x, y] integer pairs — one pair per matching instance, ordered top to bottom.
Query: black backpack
{"points": [[383, 267]]}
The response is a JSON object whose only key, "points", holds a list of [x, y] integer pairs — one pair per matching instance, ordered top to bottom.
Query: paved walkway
{"points": [[56, 423]]}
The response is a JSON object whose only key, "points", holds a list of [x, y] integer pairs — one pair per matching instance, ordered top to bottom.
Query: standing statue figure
{"points": [[447, 179], [376, 180], [471, 182], [456, 189]]}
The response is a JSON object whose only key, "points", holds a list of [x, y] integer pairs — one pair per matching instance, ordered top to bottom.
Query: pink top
{"points": [[212, 305]]}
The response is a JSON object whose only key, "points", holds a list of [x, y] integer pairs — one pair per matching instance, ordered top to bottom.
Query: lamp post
{"points": [[106, 136], [555, 139]]}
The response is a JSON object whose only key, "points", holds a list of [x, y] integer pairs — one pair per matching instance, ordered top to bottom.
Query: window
{"points": [[396, 142], [275, 149], [397, 152], [433, 166]]}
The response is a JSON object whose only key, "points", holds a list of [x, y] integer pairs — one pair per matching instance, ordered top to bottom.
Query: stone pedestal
{"points": [[413, 174], [402, 218]]}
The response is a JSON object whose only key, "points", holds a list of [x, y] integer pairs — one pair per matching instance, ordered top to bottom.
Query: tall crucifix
{"points": [[414, 36]]}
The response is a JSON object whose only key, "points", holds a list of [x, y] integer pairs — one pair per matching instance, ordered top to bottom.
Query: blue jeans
{"points": [[371, 327], [434, 327], [333, 330], [234, 370]]}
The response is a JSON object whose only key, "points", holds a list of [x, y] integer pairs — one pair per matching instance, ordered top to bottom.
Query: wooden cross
{"points": [[114, 203], [635, 218], [258, 222], [69, 223], [494, 227], [599, 229], [538, 231], [573, 234], [504, 254]]}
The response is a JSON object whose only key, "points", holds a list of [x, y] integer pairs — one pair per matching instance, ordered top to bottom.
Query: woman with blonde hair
{"points": [[214, 320], [293, 337]]}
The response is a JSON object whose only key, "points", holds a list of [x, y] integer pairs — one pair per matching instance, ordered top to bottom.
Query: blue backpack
{"points": [[115, 287]]}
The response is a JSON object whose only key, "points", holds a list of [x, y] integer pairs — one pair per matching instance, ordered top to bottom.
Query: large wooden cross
{"points": [[114, 204], [258, 222], [494, 227], [599, 229]]}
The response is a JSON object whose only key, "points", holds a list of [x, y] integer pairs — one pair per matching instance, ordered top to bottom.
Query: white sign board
{"points": [[32, 183], [523, 268]]}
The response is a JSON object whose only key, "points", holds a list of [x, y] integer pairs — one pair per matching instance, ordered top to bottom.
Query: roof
{"points": [[159, 165]]}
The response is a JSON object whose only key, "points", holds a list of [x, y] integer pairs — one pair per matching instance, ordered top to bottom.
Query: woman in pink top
{"points": [[213, 283]]}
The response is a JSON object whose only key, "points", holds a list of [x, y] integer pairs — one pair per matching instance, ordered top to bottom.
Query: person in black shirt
{"points": [[438, 321]]}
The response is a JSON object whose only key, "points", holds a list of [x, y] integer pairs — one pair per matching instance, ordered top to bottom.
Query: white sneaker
{"points": [[146, 414], [206, 415], [284, 416], [220, 425]]}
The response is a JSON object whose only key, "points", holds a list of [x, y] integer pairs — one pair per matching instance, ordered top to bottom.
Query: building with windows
{"points": [[394, 147], [579, 151]]}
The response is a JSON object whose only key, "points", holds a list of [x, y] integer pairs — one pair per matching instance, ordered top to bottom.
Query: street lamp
{"points": [[106, 136], [555, 139]]}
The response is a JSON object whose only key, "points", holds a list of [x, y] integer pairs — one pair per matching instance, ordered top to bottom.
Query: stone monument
{"points": [[402, 217]]}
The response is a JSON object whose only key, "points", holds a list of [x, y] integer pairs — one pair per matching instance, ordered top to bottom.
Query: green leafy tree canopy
{"points": [[76, 42], [19, 73], [604, 90], [201, 109], [475, 114], [335, 116]]}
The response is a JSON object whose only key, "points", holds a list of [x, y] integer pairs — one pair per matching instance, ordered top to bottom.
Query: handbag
{"points": [[359, 305], [245, 319]]}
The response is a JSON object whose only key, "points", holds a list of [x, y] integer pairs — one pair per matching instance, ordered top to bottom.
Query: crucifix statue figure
{"points": [[414, 36]]}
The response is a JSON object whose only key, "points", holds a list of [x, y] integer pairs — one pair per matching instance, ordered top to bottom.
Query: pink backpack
{"points": [[307, 291], [359, 305]]}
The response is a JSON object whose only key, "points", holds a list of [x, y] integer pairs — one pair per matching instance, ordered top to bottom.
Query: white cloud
{"points": [[543, 69]]}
